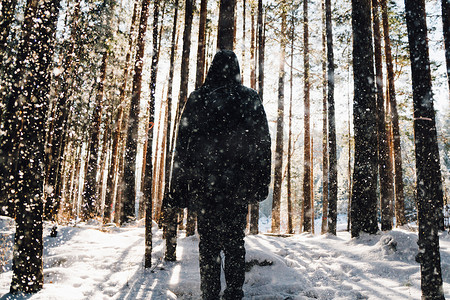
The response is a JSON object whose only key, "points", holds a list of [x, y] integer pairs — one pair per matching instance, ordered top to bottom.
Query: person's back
{"points": [[222, 164]]}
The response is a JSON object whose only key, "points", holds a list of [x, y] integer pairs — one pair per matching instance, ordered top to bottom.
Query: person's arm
{"points": [[260, 155]]}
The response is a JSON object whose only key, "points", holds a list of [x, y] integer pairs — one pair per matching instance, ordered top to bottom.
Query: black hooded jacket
{"points": [[223, 151]]}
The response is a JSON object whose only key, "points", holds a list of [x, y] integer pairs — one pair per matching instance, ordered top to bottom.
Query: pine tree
{"points": [[6, 19], [226, 29], [446, 31], [31, 87], [391, 95], [307, 138], [332, 152], [384, 160], [114, 165], [325, 171], [428, 172], [278, 173], [90, 196], [364, 200], [128, 211], [171, 214], [191, 215], [290, 229]]}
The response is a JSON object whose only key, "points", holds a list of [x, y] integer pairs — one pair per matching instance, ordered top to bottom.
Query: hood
{"points": [[224, 69]]}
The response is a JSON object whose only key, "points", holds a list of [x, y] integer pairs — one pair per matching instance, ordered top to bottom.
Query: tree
{"points": [[6, 19], [226, 27], [446, 31], [31, 87], [57, 135], [307, 138], [169, 148], [332, 154], [384, 160], [397, 168], [278, 169], [113, 170], [325, 171], [428, 172], [148, 176], [90, 196], [364, 199], [254, 208], [128, 211], [171, 213], [191, 215], [290, 228]]}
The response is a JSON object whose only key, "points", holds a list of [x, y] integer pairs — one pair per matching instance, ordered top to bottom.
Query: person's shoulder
{"points": [[247, 90]]}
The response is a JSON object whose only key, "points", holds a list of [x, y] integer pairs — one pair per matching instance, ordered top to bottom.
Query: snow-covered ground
{"points": [[84, 262]]}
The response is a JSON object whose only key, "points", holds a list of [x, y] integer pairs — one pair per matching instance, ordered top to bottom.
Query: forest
{"points": [[356, 92]]}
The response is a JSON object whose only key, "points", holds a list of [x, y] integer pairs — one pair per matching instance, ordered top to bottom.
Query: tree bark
{"points": [[6, 19], [226, 27], [446, 30], [31, 87], [306, 115], [59, 123], [332, 154], [384, 161], [168, 164], [278, 169], [398, 171], [325, 172], [428, 172], [112, 175], [147, 191], [90, 196], [364, 199], [129, 201], [254, 208], [171, 214], [191, 215], [290, 228]]}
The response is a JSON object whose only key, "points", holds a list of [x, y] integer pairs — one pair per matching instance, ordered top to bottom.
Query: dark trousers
{"points": [[222, 229]]}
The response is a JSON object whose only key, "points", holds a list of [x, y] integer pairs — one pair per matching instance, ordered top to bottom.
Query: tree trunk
{"points": [[6, 19], [244, 21], [226, 27], [446, 31], [201, 44], [253, 62], [31, 85], [306, 114], [61, 116], [332, 154], [384, 161], [168, 164], [278, 169], [398, 172], [428, 172], [112, 175], [147, 190], [90, 196], [364, 198], [129, 201], [254, 208], [171, 214], [192, 216], [290, 228], [324, 228]]}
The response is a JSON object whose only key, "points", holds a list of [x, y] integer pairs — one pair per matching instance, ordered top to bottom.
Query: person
{"points": [[221, 165]]}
